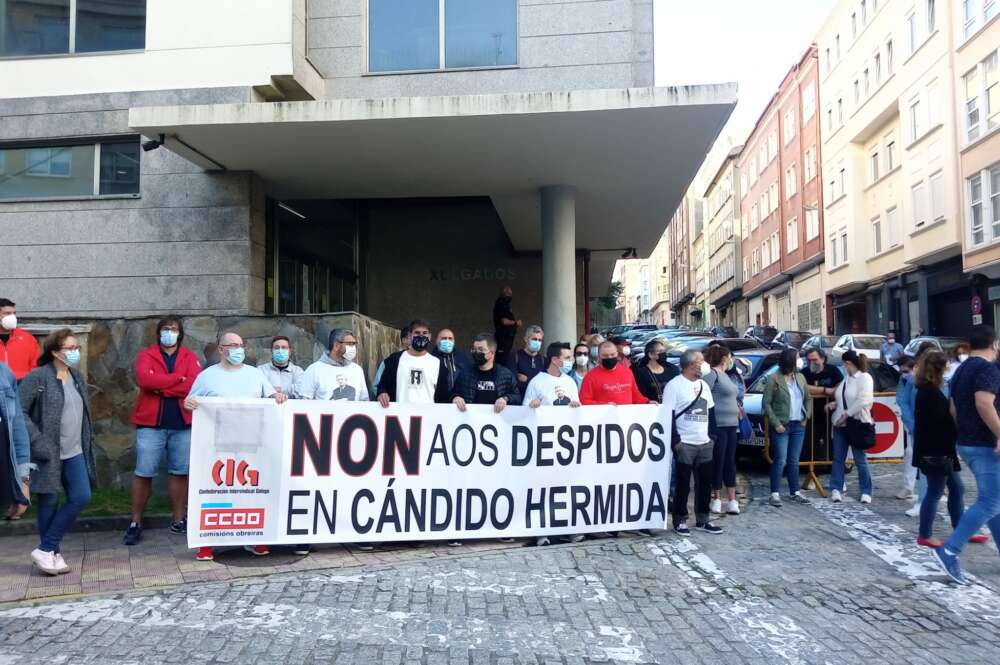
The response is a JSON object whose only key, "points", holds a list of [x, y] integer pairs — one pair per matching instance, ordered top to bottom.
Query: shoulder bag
{"points": [[859, 434], [675, 437]]}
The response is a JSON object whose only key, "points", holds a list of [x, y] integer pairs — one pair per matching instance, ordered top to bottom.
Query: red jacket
{"points": [[20, 352], [156, 384], [611, 386]]}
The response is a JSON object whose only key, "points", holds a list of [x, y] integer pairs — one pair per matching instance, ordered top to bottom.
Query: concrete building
{"points": [[977, 63], [391, 157], [890, 165], [781, 207], [660, 260], [682, 270], [725, 277]]}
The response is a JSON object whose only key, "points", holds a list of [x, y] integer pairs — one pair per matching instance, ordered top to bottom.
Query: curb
{"points": [[27, 527]]}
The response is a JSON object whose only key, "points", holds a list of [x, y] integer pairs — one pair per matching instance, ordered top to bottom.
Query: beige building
{"points": [[977, 64], [891, 168], [724, 251], [661, 313]]}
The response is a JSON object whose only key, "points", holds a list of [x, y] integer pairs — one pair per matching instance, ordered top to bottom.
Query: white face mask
{"points": [[9, 322], [626, 351], [350, 352], [963, 357], [582, 360], [706, 369]]}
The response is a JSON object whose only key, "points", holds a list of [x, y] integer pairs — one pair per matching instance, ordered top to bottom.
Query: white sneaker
{"points": [[905, 494], [835, 496], [865, 498], [716, 506], [733, 507], [914, 511], [46, 561], [61, 566]]}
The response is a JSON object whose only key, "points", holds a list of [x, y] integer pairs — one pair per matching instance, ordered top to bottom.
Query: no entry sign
{"points": [[887, 428]]}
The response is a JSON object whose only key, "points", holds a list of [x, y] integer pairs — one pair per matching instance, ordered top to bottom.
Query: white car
{"points": [[865, 345]]}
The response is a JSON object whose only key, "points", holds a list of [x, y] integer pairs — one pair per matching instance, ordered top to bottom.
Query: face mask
{"points": [[9, 322], [168, 338], [420, 342], [446, 345], [534, 345], [594, 351], [626, 351], [350, 352], [236, 356], [280, 356], [963, 357], [72, 358], [479, 358], [662, 359], [582, 360], [609, 363], [730, 365], [567, 366], [815, 368], [705, 369]]}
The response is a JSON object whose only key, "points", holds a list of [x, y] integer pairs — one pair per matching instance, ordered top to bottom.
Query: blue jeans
{"points": [[840, 447], [786, 448], [724, 457], [985, 465], [929, 503], [55, 520]]}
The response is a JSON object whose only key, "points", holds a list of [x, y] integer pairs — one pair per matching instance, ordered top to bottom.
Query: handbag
{"points": [[746, 428], [859, 434], [675, 437], [942, 465]]}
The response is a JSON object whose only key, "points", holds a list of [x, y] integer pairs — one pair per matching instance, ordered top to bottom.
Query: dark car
{"points": [[725, 331], [763, 334], [789, 339], [676, 347], [754, 362]]}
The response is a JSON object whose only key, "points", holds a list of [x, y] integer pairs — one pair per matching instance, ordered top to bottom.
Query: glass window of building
{"points": [[44, 27], [68, 171]]}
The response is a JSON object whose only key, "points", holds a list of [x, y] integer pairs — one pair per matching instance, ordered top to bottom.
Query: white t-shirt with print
{"points": [[417, 378], [334, 382], [552, 390], [693, 425]]}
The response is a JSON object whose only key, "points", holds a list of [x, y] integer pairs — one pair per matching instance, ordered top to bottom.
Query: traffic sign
{"points": [[887, 428]]}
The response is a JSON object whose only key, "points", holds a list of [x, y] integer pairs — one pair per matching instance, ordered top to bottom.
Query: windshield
{"points": [[794, 338], [827, 341], [870, 342], [948, 344], [678, 346], [758, 386]]}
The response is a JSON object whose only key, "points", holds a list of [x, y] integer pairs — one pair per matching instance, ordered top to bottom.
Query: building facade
{"points": [[244, 157], [890, 165], [660, 261], [725, 275], [682, 280]]}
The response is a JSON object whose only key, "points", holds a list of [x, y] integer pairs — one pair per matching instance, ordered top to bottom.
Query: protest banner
{"points": [[340, 472]]}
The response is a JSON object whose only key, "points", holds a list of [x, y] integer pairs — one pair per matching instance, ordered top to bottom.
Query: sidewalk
{"points": [[100, 563]]}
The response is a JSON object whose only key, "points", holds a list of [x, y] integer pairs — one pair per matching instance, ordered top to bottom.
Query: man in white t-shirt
{"points": [[335, 376], [414, 376], [554, 386], [690, 401]]}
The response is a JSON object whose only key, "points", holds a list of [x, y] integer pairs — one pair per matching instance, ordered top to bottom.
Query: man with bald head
{"points": [[454, 360], [610, 382]]}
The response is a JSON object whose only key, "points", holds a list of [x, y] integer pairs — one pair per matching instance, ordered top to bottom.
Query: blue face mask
{"points": [[168, 338], [446, 345], [534, 345], [594, 350], [236, 356], [280, 356], [72, 357], [567, 366]]}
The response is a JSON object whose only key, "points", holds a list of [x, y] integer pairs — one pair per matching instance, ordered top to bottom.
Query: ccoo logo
{"points": [[229, 473]]}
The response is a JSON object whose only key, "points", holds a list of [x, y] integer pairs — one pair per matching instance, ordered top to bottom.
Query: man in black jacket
{"points": [[504, 324], [414, 376], [488, 382]]}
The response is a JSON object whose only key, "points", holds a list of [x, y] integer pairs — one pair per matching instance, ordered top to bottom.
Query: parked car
{"points": [[618, 331], [724, 331], [763, 334], [789, 339], [823, 342], [946, 344], [866, 345], [678, 346], [753, 362]]}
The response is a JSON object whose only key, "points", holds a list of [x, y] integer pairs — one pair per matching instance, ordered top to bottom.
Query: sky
{"points": [[751, 42]]}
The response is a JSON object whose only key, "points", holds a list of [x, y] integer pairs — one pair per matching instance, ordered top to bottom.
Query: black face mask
{"points": [[420, 342], [479, 358], [662, 358], [609, 363]]}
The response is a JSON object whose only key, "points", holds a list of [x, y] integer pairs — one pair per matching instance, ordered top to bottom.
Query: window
{"points": [[864, 12], [931, 16], [854, 26], [45, 28], [911, 32], [410, 35], [836, 41], [888, 58], [829, 62], [878, 68], [991, 72], [868, 88], [857, 92], [808, 103], [933, 105], [840, 112], [829, 119], [916, 120], [789, 127], [772, 146], [890, 154], [762, 157], [810, 164], [55, 172], [873, 172], [842, 181], [994, 181], [791, 182], [744, 185], [773, 191], [919, 196], [937, 196], [976, 208], [754, 216], [812, 221], [892, 226], [792, 235], [876, 236], [843, 245], [775, 247], [832, 251], [765, 254], [756, 261], [746, 268]]}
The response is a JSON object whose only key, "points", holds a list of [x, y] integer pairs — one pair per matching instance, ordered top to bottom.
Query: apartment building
{"points": [[977, 63], [391, 157], [890, 165], [781, 215], [680, 230], [660, 261], [725, 277]]}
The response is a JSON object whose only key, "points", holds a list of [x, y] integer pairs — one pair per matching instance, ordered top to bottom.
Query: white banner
{"points": [[340, 472]]}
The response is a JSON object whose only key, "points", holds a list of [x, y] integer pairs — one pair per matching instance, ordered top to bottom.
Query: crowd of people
{"points": [[950, 410]]}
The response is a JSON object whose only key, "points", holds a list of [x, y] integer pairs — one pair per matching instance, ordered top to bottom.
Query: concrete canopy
{"points": [[630, 153]]}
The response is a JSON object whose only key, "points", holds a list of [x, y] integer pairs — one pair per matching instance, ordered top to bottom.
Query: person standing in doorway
{"points": [[505, 324], [18, 347], [526, 363], [164, 372], [283, 374], [335, 376], [414, 376], [787, 405]]}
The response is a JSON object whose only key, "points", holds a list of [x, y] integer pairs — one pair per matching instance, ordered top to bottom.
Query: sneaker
{"points": [[905, 494], [835, 496], [798, 497], [866, 498], [775, 500], [716, 506], [733, 507], [914, 511], [180, 527], [708, 527], [682, 530], [133, 534], [578, 538], [979, 539], [507, 541], [543, 542], [454, 543], [933, 543], [366, 547], [257, 550], [302, 550], [205, 554], [45, 561], [949, 564], [61, 566]]}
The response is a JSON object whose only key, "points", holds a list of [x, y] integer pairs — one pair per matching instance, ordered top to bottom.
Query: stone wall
{"points": [[111, 346]]}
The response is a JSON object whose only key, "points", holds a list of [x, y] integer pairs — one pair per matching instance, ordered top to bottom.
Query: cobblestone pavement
{"points": [[826, 584]]}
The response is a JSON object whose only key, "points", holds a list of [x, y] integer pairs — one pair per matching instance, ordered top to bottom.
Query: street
{"points": [[818, 583]]}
